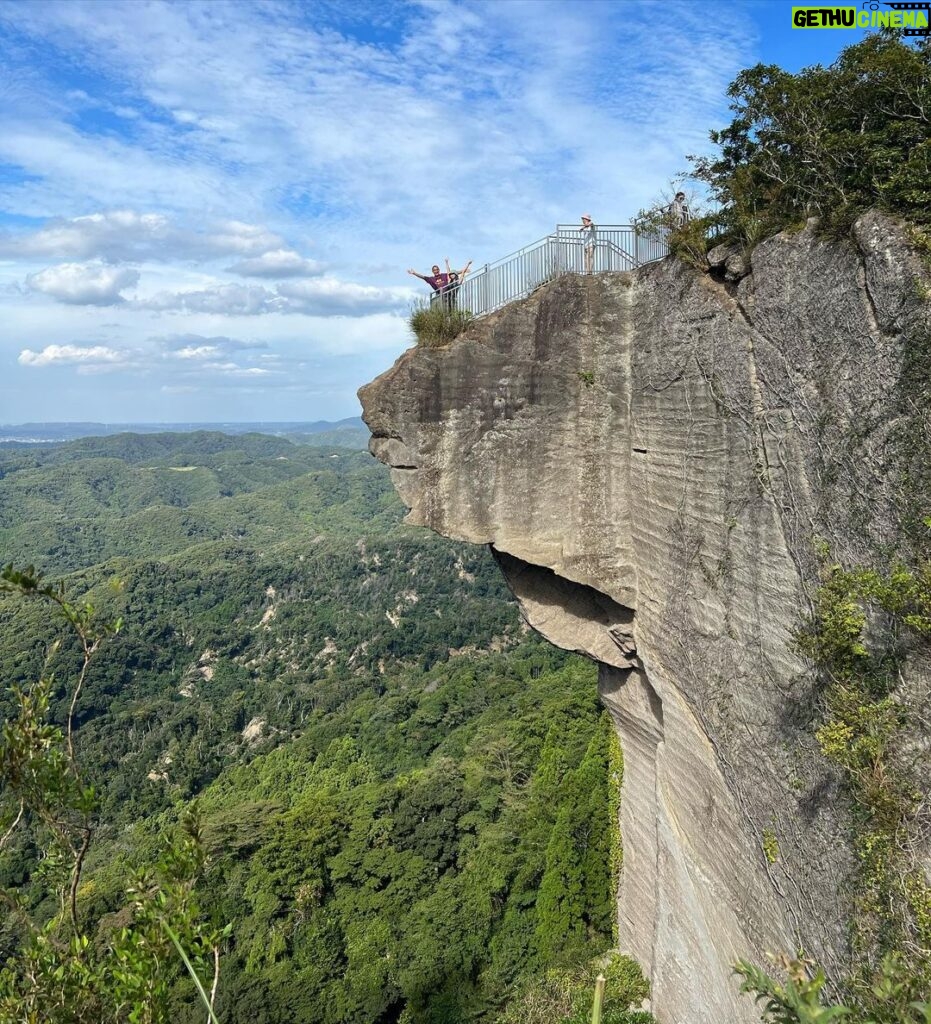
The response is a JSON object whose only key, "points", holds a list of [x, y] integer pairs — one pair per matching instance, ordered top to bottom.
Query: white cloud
{"points": [[458, 108], [374, 137], [129, 235], [234, 236], [277, 263], [82, 284], [319, 296], [328, 296], [225, 299], [189, 347], [196, 352], [71, 355]]}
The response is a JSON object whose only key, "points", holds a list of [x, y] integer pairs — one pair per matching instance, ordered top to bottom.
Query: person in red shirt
{"points": [[436, 280]]}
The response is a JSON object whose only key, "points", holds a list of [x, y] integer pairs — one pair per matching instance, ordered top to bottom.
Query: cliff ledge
{"points": [[652, 457]]}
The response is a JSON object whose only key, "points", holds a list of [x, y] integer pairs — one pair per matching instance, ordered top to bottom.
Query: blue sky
{"points": [[207, 209]]}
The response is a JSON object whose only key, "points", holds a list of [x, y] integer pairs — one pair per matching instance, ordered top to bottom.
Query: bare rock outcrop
{"points": [[652, 457]]}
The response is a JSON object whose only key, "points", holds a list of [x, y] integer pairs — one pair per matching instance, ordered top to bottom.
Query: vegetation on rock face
{"points": [[827, 142], [832, 143], [435, 325], [863, 626], [864, 735], [392, 781], [564, 995], [799, 999]]}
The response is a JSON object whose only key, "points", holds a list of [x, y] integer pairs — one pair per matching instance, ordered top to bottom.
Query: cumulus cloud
{"points": [[258, 107], [455, 129], [117, 235], [277, 263], [84, 284], [320, 296], [328, 296], [225, 299], [194, 347], [72, 355], [186, 359], [191, 359]]}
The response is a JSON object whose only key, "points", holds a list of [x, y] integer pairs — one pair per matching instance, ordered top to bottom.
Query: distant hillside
{"points": [[350, 432], [66, 506], [382, 755]]}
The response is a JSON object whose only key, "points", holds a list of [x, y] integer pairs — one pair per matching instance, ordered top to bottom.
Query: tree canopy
{"points": [[827, 141]]}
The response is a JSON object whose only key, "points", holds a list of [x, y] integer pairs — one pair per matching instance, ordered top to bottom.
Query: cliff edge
{"points": [[652, 457]]}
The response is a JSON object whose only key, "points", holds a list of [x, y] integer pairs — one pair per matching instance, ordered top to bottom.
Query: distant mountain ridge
{"points": [[39, 432]]}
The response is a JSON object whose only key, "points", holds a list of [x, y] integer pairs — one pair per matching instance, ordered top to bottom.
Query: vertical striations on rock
{"points": [[652, 457]]}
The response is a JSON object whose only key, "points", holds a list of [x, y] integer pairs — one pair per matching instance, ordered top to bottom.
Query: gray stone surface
{"points": [[720, 254], [736, 266], [652, 457]]}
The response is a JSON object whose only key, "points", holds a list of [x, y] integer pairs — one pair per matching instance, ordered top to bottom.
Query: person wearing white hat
{"points": [[589, 239]]}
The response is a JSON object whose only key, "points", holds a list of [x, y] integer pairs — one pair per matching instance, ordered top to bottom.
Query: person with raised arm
{"points": [[455, 278], [435, 279]]}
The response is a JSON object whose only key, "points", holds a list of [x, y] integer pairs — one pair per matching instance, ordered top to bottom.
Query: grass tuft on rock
{"points": [[435, 325]]}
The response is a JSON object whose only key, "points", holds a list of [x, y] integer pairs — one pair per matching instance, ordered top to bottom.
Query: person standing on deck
{"points": [[679, 213], [589, 240]]}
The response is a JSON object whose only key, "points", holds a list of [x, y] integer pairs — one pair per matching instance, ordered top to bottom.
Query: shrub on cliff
{"points": [[828, 142], [434, 325], [56, 965], [564, 995], [799, 999]]}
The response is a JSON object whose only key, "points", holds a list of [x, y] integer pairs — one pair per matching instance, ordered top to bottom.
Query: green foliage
{"points": [[829, 142], [690, 242], [436, 325], [64, 515], [863, 736], [378, 755], [615, 781], [433, 821], [770, 845], [576, 891], [53, 971], [126, 972], [565, 995], [799, 1000]]}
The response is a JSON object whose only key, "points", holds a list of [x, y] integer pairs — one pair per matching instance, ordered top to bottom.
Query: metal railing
{"points": [[618, 247]]}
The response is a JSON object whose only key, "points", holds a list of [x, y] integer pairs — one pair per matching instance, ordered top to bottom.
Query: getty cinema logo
{"points": [[913, 17]]}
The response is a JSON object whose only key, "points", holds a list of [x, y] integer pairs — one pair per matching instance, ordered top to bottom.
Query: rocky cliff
{"points": [[652, 457]]}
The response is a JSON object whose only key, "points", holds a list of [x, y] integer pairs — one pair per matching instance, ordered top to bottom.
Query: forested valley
{"points": [[404, 804]]}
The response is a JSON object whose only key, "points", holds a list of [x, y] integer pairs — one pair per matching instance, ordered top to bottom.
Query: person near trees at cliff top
{"points": [[679, 213], [589, 239], [455, 278], [436, 280]]}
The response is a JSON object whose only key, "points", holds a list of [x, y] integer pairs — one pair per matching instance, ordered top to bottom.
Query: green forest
{"points": [[267, 751], [398, 805]]}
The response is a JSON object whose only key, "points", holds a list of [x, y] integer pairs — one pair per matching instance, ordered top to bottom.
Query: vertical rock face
{"points": [[652, 457]]}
